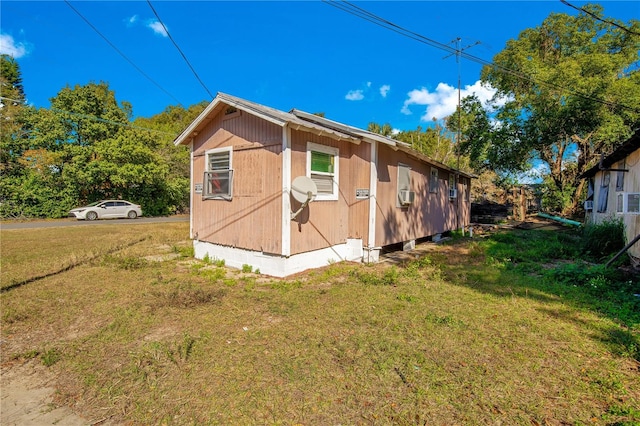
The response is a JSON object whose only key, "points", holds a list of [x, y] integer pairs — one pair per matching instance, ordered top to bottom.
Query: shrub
{"points": [[603, 239]]}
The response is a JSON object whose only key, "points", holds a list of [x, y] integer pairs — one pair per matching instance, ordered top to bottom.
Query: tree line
{"points": [[568, 91], [87, 147]]}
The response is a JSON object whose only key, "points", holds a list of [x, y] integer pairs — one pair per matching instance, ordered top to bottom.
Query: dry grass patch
{"points": [[183, 342]]}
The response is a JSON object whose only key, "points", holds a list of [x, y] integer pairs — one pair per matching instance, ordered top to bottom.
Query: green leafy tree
{"points": [[572, 90], [168, 124], [13, 136], [434, 142], [85, 148]]}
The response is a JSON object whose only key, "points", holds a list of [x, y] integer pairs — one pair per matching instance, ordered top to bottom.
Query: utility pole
{"points": [[458, 51]]}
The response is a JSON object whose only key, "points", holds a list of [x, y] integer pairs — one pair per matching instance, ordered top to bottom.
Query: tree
{"points": [[572, 87], [168, 124], [85, 148]]}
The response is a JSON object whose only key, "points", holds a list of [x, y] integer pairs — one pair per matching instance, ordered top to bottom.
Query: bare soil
{"points": [[27, 397]]}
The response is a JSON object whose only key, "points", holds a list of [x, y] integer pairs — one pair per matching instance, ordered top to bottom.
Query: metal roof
{"points": [[300, 120], [623, 151]]}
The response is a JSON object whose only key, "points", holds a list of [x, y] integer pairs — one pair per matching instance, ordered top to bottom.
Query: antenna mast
{"points": [[458, 51]]}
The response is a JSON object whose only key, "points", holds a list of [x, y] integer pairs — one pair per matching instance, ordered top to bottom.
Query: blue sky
{"points": [[307, 55]]}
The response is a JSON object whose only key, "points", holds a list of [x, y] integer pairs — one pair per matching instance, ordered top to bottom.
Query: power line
{"points": [[593, 15], [377, 20], [179, 50], [120, 52], [104, 120]]}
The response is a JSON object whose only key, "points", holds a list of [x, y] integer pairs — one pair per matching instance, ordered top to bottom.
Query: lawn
{"points": [[507, 328]]}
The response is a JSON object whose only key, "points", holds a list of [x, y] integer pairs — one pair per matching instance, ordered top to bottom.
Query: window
{"points": [[322, 168], [218, 177], [433, 181], [453, 189], [405, 195], [603, 195], [628, 202], [620, 203]]}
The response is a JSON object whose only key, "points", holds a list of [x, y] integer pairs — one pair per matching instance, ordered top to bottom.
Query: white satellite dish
{"points": [[304, 191]]}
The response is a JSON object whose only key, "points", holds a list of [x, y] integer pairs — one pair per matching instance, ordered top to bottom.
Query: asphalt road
{"points": [[7, 225]]}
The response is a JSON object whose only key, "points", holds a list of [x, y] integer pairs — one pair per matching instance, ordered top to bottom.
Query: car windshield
{"points": [[94, 204]]}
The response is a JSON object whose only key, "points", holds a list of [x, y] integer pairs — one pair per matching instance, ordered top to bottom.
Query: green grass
{"points": [[474, 332]]}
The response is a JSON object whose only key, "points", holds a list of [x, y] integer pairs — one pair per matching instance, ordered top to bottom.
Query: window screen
{"points": [[322, 168], [218, 177]]}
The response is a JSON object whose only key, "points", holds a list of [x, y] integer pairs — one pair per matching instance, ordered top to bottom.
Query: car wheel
{"points": [[132, 215], [92, 216]]}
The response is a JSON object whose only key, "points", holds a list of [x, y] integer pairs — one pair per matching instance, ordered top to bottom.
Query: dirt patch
{"points": [[28, 391]]}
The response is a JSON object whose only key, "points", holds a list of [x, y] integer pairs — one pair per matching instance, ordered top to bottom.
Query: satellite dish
{"points": [[303, 189]]}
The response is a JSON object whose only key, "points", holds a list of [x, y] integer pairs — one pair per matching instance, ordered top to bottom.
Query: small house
{"points": [[614, 191], [367, 192]]}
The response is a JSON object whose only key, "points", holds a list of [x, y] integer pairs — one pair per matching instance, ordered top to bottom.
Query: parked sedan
{"points": [[107, 209]]}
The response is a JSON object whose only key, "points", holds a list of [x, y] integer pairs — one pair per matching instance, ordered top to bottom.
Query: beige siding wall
{"points": [[631, 184], [429, 214], [252, 219], [329, 222]]}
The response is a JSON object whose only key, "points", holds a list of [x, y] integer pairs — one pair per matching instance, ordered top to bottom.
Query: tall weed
{"points": [[601, 240]]}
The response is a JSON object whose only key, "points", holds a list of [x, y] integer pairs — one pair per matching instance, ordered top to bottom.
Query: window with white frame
{"points": [[322, 168], [218, 175], [433, 180], [453, 189], [405, 195], [628, 203]]}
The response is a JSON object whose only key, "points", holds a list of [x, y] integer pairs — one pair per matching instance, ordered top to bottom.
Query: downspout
{"points": [[286, 191]]}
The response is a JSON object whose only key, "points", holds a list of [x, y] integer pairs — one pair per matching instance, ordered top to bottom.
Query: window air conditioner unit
{"points": [[453, 193], [406, 197], [588, 206]]}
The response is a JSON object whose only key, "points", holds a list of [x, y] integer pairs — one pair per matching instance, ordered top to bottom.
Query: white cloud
{"points": [[132, 20], [157, 28], [8, 46], [368, 84], [384, 89], [354, 95], [443, 101]]}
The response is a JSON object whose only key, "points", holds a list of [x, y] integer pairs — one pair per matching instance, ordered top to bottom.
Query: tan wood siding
{"points": [[359, 169], [631, 185], [429, 214], [251, 220], [323, 223]]}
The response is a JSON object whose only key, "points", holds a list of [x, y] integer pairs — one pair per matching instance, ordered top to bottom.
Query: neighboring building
{"points": [[372, 191], [614, 191]]}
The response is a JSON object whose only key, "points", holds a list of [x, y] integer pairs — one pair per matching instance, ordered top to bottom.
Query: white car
{"points": [[107, 209]]}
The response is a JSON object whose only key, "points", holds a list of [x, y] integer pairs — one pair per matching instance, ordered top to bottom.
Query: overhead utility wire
{"points": [[593, 15], [368, 16], [179, 50], [120, 52], [104, 120]]}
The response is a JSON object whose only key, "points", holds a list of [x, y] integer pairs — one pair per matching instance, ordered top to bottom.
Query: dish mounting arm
{"points": [[305, 204]]}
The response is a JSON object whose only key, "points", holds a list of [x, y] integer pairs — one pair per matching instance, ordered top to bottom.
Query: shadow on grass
{"points": [[548, 267]]}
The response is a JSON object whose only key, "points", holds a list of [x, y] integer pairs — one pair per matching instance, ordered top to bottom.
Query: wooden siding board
{"points": [[359, 171], [631, 184], [429, 214], [251, 220], [323, 223]]}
